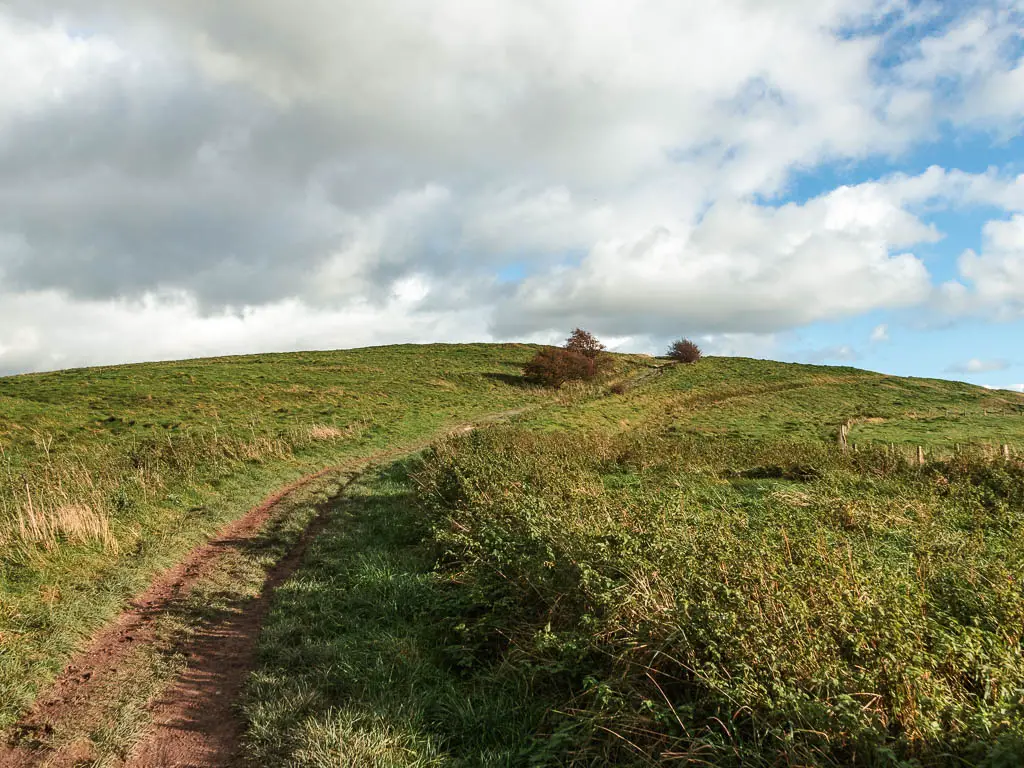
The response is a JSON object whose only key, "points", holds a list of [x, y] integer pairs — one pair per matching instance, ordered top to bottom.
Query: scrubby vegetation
{"points": [[584, 343], [684, 351], [581, 358], [554, 366], [689, 571], [738, 603]]}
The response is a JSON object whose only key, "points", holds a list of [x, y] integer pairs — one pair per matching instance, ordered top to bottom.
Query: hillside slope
{"points": [[755, 399], [110, 475], [689, 573]]}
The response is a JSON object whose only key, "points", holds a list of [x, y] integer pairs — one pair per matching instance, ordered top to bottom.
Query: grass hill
{"points": [[109, 474], [682, 566]]}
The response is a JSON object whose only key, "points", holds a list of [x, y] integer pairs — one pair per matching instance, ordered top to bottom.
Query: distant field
{"points": [[681, 567]]}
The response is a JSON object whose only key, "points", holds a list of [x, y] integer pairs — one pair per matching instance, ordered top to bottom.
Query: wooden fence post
{"points": [[842, 437], [1006, 452], [920, 456]]}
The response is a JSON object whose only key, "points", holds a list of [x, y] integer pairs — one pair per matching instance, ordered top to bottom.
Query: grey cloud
{"points": [[245, 152], [159, 179], [135, 186], [100, 237]]}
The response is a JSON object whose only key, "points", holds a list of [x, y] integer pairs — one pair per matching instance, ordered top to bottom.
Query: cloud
{"points": [[976, 58], [52, 66], [631, 161], [739, 267], [992, 282], [46, 330], [880, 333], [740, 344], [839, 353], [975, 365], [1010, 388]]}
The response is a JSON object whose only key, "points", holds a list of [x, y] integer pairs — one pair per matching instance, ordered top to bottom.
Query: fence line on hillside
{"points": [[1004, 451]]}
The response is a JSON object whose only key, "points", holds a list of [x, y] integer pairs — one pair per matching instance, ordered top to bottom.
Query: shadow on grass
{"points": [[512, 380], [356, 664]]}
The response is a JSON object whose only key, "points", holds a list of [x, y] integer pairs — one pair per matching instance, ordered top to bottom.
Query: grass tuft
{"points": [[73, 523]]}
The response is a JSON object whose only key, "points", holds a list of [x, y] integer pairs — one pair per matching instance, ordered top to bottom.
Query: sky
{"points": [[827, 181]]}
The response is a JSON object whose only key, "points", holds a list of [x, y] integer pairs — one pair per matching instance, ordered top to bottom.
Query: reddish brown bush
{"points": [[584, 343], [684, 351], [553, 366]]}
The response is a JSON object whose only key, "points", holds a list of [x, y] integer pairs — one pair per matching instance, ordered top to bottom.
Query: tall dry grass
{"points": [[91, 497]]}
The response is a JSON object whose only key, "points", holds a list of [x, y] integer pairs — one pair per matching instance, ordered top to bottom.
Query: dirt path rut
{"points": [[219, 655], [194, 721]]}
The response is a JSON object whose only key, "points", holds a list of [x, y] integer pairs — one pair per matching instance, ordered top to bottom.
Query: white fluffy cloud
{"points": [[977, 58], [50, 65], [529, 166], [742, 266], [998, 272], [992, 282], [45, 330], [842, 353]]}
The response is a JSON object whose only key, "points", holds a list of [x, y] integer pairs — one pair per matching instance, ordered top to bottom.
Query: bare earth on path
{"points": [[220, 654], [194, 722]]}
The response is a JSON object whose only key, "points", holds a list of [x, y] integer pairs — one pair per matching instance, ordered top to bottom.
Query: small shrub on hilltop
{"points": [[584, 343], [684, 351], [579, 360], [554, 366]]}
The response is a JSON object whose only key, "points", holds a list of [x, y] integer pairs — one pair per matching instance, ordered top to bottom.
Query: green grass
{"points": [[758, 399], [122, 470], [688, 569], [691, 571], [356, 668]]}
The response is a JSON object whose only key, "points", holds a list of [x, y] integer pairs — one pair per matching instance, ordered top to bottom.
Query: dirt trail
{"points": [[90, 669], [194, 722]]}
